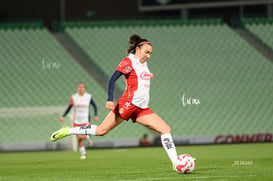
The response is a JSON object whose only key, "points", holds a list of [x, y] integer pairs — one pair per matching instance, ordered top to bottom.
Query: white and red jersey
{"points": [[138, 78], [81, 108]]}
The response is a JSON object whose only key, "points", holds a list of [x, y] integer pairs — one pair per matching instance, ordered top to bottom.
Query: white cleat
{"points": [[83, 157]]}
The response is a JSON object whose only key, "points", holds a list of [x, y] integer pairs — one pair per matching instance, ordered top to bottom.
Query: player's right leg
{"points": [[153, 121], [110, 122], [81, 146]]}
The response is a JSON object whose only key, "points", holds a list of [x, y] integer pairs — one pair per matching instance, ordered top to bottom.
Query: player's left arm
{"points": [[92, 102]]}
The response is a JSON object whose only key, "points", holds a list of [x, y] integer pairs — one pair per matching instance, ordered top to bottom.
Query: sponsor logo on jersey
{"points": [[128, 69], [145, 76], [127, 104], [81, 105], [121, 110]]}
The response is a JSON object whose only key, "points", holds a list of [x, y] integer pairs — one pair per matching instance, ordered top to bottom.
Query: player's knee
{"points": [[166, 130], [101, 132], [81, 137], [80, 144]]}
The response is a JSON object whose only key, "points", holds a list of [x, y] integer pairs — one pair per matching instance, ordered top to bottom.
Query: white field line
{"points": [[199, 177]]}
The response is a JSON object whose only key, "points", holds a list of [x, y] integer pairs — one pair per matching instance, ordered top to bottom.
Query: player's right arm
{"points": [[125, 67], [110, 90], [67, 109]]}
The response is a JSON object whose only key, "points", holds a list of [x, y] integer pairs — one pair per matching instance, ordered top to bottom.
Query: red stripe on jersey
{"points": [[71, 101]]}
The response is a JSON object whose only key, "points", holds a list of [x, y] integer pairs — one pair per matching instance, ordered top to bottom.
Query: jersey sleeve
{"points": [[125, 66], [111, 85], [71, 101], [92, 102], [67, 110]]}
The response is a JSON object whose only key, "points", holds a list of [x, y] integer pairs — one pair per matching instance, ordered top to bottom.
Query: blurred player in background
{"points": [[81, 101], [133, 104], [144, 141]]}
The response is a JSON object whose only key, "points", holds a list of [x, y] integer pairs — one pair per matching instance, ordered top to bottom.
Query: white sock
{"points": [[84, 130], [167, 142], [82, 150]]}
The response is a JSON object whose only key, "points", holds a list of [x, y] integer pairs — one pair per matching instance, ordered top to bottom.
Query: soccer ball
{"points": [[184, 164]]}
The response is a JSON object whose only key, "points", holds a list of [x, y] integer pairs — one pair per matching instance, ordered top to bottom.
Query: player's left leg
{"points": [[153, 121], [109, 123], [82, 150]]}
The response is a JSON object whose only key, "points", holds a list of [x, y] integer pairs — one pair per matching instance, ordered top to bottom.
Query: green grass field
{"points": [[214, 162]]}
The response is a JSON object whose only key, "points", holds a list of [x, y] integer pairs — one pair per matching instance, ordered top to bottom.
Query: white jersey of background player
{"points": [[81, 102], [81, 108]]}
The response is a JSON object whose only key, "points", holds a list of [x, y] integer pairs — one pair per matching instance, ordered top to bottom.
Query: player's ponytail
{"points": [[134, 41]]}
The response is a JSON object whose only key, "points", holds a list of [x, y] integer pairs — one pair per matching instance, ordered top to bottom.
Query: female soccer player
{"points": [[81, 101], [133, 104]]}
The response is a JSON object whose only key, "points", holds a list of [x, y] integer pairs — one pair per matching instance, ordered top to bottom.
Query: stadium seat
{"points": [[262, 28]]}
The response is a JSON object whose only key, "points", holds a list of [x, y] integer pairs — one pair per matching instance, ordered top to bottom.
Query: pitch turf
{"points": [[214, 162]]}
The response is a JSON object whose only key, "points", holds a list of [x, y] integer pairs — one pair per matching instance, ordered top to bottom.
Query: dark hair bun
{"points": [[134, 39]]}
